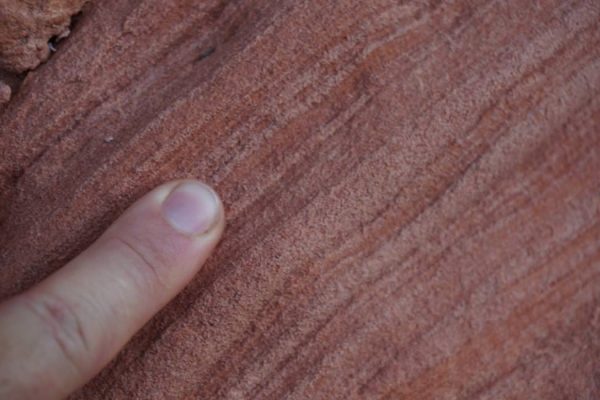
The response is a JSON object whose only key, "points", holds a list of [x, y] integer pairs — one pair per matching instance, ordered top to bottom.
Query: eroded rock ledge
{"points": [[26, 26]]}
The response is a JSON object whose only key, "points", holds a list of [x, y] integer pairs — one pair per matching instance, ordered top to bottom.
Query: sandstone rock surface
{"points": [[26, 26], [5, 93], [412, 191]]}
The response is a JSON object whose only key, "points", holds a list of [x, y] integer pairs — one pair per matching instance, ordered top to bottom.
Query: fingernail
{"points": [[191, 208]]}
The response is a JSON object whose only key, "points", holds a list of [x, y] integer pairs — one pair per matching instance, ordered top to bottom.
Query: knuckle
{"points": [[143, 260], [63, 325]]}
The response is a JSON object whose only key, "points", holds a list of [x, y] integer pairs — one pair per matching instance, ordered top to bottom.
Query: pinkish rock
{"points": [[26, 26], [5, 93]]}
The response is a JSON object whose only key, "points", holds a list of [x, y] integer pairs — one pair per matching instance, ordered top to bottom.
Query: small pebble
{"points": [[63, 35], [5, 93], [108, 139]]}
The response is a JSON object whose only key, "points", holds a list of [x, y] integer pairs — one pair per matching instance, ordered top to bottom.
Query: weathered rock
{"points": [[26, 26], [5, 92], [411, 190]]}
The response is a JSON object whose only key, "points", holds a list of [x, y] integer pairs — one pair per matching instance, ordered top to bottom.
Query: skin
{"points": [[60, 333]]}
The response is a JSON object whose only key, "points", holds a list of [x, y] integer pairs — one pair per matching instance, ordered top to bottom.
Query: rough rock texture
{"points": [[26, 26], [5, 93], [413, 191]]}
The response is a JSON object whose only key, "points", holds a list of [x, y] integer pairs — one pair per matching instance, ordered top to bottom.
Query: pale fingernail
{"points": [[192, 208]]}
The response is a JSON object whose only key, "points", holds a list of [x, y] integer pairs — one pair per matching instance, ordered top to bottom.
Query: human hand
{"points": [[57, 335]]}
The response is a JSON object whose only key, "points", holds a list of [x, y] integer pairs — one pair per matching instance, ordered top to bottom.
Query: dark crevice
{"points": [[53, 43], [206, 53]]}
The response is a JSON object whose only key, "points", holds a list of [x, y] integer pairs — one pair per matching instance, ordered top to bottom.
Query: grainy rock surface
{"points": [[26, 26], [5, 93], [413, 191]]}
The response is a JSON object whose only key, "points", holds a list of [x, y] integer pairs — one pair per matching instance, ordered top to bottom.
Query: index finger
{"points": [[59, 334]]}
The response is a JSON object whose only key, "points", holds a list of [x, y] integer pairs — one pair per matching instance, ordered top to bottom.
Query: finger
{"points": [[59, 334]]}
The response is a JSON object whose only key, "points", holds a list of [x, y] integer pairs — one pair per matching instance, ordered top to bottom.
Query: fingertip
{"points": [[192, 208], [175, 227]]}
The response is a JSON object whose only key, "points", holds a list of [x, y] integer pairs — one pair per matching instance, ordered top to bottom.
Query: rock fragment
{"points": [[26, 26], [5, 93]]}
